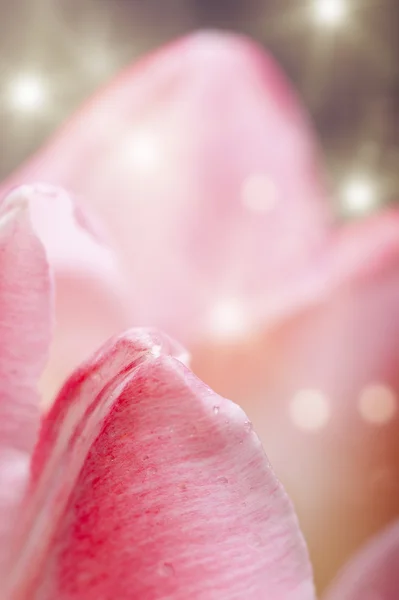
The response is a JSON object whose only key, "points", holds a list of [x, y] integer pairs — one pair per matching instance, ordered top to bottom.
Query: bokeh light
{"points": [[330, 12], [27, 93], [143, 151], [359, 195], [228, 320], [377, 404], [310, 410]]}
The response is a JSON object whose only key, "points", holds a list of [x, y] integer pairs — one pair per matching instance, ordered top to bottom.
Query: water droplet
{"points": [[216, 410], [248, 426], [193, 431], [223, 480], [255, 540], [167, 569]]}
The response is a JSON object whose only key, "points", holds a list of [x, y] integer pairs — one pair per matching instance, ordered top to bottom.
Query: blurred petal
{"points": [[203, 167], [90, 295], [25, 324], [322, 388], [149, 485], [373, 573]]}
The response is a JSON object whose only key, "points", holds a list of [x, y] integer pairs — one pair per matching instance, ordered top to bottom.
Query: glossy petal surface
{"points": [[25, 325], [148, 485], [373, 573]]}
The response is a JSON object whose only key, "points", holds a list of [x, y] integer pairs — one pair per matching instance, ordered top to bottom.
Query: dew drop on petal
{"points": [[222, 480], [255, 540], [167, 569]]}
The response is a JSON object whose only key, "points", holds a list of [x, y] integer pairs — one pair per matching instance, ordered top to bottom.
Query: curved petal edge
{"points": [[149, 485]]}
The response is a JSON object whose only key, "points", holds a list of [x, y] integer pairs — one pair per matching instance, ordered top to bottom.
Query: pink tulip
{"points": [[203, 171], [144, 483]]}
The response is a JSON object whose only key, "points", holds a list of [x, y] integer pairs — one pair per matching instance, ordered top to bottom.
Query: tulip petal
{"points": [[203, 166], [90, 296], [25, 329], [321, 386], [154, 488], [373, 573]]}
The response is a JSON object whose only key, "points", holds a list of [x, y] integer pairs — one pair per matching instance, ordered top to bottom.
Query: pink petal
{"points": [[203, 167], [91, 301], [25, 324], [321, 386], [148, 485], [374, 573]]}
